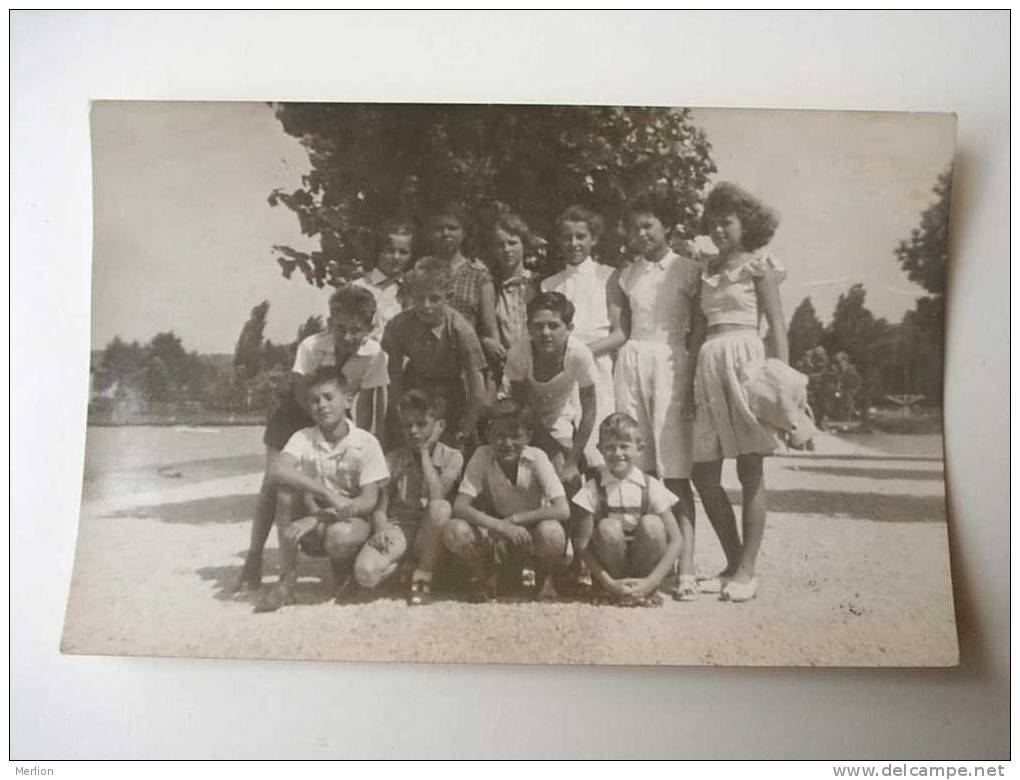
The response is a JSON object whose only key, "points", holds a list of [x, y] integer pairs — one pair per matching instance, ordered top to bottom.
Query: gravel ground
{"points": [[854, 571]]}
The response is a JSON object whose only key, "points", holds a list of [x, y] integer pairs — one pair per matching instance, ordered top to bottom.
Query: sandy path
{"points": [[854, 571]]}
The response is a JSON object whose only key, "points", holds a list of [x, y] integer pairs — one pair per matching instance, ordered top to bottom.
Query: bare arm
{"points": [[770, 300], [487, 311], [619, 318], [695, 338], [395, 367], [475, 402], [364, 409], [586, 425], [284, 472], [365, 502], [464, 508], [557, 510]]}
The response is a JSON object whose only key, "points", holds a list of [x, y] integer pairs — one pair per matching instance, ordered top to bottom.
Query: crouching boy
{"points": [[328, 479], [413, 507], [510, 509], [627, 534]]}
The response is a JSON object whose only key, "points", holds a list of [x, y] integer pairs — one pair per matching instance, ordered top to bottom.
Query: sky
{"points": [[183, 232]]}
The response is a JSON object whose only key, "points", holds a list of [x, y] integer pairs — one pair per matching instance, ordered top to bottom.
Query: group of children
{"points": [[598, 396]]}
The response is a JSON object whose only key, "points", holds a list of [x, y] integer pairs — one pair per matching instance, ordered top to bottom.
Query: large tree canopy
{"points": [[370, 162]]}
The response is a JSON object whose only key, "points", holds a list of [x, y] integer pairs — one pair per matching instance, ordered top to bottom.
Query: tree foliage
{"points": [[370, 162], [923, 255], [805, 332], [248, 352]]}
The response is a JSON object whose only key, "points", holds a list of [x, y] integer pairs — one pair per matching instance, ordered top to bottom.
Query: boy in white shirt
{"points": [[328, 479], [628, 535]]}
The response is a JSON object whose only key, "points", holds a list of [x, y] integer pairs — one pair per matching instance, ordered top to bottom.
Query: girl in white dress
{"points": [[739, 288], [651, 304]]}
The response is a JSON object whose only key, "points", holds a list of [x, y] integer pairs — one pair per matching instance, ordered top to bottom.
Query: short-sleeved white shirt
{"points": [[584, 285], [386, 290], [365, 369], [557, 402], [346, 466], [536, 484], [623, 496]]}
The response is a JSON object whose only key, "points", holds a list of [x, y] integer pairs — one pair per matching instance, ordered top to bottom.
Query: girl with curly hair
{"points": [[739, 288]]}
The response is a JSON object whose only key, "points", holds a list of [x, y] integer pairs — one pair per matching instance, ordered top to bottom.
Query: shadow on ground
{"points": [[872, 473], [880, 507], [236, 508]]}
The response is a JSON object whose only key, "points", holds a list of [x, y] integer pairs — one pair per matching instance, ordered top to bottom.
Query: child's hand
{"points": [[494, 349], [437, 432], [337, 502], [298, 528], [517, 535], [380, 541], [637, 587]]}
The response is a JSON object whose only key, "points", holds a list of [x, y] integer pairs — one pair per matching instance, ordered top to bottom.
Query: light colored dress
{"points": [[585, 285], [651, 366], [724, 425]]}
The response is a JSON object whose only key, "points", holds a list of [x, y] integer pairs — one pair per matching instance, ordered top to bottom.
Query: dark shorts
{"points": [[287, 419]]}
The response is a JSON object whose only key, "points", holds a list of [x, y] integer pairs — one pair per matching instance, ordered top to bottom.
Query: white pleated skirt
{"points": [[724, 426]]}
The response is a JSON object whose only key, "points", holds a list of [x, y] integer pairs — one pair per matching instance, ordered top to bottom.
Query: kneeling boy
{"points": [[328, 479], [519, 487], [413, 507], [627, 534]]}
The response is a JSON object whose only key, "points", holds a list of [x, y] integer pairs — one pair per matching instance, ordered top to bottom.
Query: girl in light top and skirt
{"points": [[739, 288]]}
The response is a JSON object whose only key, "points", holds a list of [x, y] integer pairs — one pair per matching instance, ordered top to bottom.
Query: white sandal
{"points": [[740, 591]]}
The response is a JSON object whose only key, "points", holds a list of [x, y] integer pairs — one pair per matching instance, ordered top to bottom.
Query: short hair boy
{"points": [[346, 344], [432, 347], [554, 374], [338, 469], [414, 505], [511, 505], [628, 536]]}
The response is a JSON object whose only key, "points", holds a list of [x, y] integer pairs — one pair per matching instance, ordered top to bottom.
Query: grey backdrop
{"points": [[64, 707]]}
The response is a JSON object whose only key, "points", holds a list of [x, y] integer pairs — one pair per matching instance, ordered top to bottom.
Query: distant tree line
{"points": [[857, 360], [160, 377]]}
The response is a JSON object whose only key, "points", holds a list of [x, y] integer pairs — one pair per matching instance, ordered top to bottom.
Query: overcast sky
{"points": [[183, 232]]}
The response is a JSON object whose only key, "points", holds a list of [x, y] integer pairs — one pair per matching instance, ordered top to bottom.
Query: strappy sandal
{"points": [[714, 584], [687, 588], [420, 593]]}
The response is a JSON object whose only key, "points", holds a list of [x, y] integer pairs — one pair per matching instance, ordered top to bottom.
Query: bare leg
{"points": [[749, 470], [708, 480], [684, 509], [265, 511], [461, 539], [343, 540], [428, 544], [649, 545], [549, 546], [610, 547], [373, 567], [282, 592]]}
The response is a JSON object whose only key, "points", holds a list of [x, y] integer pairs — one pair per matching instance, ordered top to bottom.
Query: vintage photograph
{"points": [[524, 384]]}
